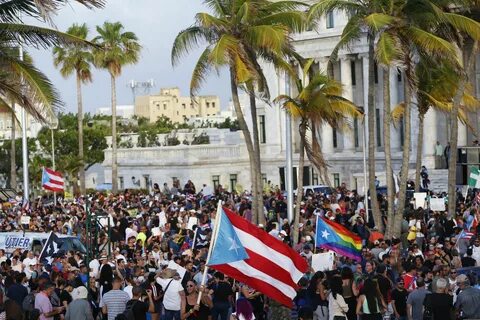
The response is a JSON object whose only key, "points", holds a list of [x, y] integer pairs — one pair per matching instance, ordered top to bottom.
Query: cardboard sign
{"points": [[420, 199], [437, 204], [162, 219], [25, 220], [191, 222], [156, 232], [323, 261], [181, 270]]}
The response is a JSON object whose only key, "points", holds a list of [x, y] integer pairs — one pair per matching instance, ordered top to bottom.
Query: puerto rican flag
{"points": [[52, 180], [466, 235], [248, 254]]}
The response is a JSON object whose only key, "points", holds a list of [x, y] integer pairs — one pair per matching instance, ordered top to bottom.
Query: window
{"points": [[330, 23], [375, 71], [353, 72], [399, 75], [208, 104], [213, 104], [164, 106], [184, 106], [178, 113], [1, 124], [9, 124], [261, 124], [379, 128], [402, 132], [355, 133], [334, 138], [314, 177], [336, 180], [215, 181], [233, 182], [121, 183]]}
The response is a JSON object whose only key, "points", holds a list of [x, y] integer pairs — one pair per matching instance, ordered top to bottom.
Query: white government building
{"points": [[225, 159]]}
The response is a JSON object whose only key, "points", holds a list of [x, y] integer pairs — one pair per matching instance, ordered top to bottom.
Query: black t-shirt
{"points": [[468, 262], [384, 285], [221, 291], [65, 296], [400, 297], [442, 304], [139, 309]]}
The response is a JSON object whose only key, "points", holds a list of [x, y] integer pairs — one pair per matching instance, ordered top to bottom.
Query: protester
{"points": [[115, 300]]}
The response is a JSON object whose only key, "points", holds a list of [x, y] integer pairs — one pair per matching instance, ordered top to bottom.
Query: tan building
{"points": [[179, 109]]}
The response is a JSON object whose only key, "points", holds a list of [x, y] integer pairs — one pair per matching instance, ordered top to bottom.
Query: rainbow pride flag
{"points": [[333, 236]]}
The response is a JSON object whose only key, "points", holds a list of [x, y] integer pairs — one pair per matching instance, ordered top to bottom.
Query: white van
{"points": [[308, 190]]}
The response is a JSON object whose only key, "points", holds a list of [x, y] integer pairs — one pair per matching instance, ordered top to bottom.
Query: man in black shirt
{"points": [[468, 261], [221, 291], [399, 300], [140, 308]]}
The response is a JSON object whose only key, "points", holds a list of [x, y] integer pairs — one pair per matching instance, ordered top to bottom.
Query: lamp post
{"points": [[23, 116], [53, 125], [289, 156]]}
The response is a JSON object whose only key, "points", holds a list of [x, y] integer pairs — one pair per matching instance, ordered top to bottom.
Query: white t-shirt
{"points": [[129, 232], [27, 261], [94, 265], [128, 290], [171, 298]]}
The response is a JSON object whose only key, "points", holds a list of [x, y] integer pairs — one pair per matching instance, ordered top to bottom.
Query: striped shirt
{"points": [[115, 301]]}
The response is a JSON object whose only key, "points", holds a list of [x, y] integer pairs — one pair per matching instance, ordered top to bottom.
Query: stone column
{"points": [[346, 78], [326, 131], [395, 133], [430, 133], [462, 134]]}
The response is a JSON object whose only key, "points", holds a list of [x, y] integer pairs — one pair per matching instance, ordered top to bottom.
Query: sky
{"points": [[156, 23]]}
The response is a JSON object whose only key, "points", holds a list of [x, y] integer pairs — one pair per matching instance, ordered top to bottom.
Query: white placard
{"points": [[420, 199], [437, 204], [162, 219], [25, 220], [191, 222], [156, 232], [323, 261], [181, 270]]}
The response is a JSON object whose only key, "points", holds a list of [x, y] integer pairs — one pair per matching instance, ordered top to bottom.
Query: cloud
{"points": [[156, 23]]}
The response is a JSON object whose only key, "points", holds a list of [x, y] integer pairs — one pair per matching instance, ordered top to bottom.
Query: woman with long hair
{"points": [[106, 278], [350, 292], [317, 294], [157, 296], [370, 302], [337, 307], [190, 310], [244, 310]]}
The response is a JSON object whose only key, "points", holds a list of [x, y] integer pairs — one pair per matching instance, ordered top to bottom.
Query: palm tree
{"points": [[365, 18], [15, 32], [237, 34], [118, 48], [76, 60], [318, 102]]}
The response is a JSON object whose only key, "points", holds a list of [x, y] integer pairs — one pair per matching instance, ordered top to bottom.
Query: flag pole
{"points": [[316, 232], [194, 238], [212, 244], [43, 249]]}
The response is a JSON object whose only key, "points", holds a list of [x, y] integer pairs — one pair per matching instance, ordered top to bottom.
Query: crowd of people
{"points": [[149, 259]]}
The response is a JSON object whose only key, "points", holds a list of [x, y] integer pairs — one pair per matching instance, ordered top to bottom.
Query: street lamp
{"points": [[53, 125]]}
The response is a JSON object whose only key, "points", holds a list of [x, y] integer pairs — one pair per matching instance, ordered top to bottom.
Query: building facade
{"points": [[171, 104], [33, 126], [228, 164]]}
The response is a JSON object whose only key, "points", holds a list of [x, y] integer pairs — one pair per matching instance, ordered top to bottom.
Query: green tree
{"points": [[237, 34], [118, 49], [76, 59], [318, 102]]}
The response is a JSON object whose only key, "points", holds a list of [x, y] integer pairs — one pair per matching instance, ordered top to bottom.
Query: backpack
{"points": [[28, 303], [127, 314]]}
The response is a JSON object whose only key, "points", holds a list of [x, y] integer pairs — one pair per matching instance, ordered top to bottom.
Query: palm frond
{"points": [[378, 21], [464, 24], [388, 49], [200, 72], [397, 113]]}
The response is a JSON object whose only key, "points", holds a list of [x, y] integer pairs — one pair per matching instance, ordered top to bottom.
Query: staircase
{"points": [[438, 180]]}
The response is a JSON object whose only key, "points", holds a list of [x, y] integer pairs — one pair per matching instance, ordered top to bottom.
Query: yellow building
{"points": [[171, 104]]}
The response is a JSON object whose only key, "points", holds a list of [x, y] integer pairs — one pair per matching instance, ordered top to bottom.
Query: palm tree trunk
{"points": [[243, 125], [371, 132], [114, 136], [387, 151], [13, 152], [406, 154], [418, 161], [452, 163], [301, 164], [81, 171], [259, 216]]}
